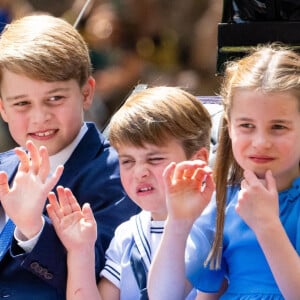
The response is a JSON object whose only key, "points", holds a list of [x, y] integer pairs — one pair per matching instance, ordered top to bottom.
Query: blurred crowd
{"points": [[154, 42]]}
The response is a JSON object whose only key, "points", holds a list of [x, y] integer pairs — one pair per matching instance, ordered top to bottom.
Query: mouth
{"points": [[43, 134], [261, 159], [145, 189]]}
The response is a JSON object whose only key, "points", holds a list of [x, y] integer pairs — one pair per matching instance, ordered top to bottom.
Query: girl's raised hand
{"points": [[189, 187], [258, 200], [76, 228]]}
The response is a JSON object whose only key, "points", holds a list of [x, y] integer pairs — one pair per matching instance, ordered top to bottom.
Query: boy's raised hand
{"points": [[189, 187], [24, 202], [76, 228]]}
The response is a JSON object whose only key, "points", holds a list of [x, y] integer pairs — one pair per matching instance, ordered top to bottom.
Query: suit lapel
{"points": [[88, 148], [9, 162]]}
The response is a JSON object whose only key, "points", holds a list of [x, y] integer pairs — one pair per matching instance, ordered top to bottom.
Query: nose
{"points": [[40, 115], [261, 140], [142, 171]]}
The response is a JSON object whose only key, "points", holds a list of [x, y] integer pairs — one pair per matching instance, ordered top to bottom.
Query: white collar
{"points": [[61, 157]]}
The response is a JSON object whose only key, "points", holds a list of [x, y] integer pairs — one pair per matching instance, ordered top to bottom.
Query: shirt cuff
{"points": [[27, 245]]}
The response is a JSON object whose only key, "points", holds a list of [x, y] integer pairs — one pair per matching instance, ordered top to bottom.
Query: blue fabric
{"points": [[5, 18], [92, 173], [6, 237], [243, 261], [140, 272]]}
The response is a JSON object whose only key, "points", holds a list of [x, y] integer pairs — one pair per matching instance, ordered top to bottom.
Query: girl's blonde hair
{"points": [[46, 48], [269, 69], [156, 114]]}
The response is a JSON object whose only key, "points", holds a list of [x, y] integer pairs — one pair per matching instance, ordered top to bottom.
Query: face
{"points": [[48, 113], [265, 134], [141, 170]]}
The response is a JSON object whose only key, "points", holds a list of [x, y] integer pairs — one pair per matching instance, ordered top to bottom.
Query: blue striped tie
{"points": [[6, 237]]}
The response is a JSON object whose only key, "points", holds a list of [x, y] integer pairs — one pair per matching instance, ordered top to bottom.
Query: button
{"points": [[43, 272], [48, 275], [5, 293]]}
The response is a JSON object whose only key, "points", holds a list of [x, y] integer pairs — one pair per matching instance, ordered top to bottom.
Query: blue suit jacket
{"points": [[92, 173]]}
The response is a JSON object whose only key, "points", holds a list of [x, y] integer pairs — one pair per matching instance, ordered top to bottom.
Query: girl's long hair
{"points": [[269, 69]]}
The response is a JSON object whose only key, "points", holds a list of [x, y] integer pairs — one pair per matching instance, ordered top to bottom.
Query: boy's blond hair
{"points": [[45, 48], [156, 114]]}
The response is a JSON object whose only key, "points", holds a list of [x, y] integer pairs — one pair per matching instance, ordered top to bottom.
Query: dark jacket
{"points": [[92, 173]]}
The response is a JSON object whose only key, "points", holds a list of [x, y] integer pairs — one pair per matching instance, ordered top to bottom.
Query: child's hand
{"points": [[189, 187], [258, 200], [24, 202], [76, 228]]}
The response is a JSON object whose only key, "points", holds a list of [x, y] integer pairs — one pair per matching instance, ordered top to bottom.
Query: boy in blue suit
{"points": [[45, 87]]}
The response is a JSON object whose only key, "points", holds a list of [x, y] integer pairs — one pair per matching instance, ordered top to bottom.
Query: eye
{"points": [[55, 98], [21, 103], [246, 125], [278, 127], [156, 160], [126, 161]]}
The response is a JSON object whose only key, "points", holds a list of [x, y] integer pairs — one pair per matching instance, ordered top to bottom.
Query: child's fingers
{"points": [[35, 157], [24, 160], [193, 166], [44, 168], [186, 169], [179, 172], [189, 172], [168, 174], [199, 177], [53, 179], [271, 182], [244, 184], [209, 185], [4, 187], [72, 200], [63, 201], [67, 201], [54, 205], [54, 212], [88, 213], [52, 215]]}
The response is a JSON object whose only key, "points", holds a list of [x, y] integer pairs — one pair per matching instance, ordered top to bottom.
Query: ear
{"points": [[88, 91], [2, 111], [201, 154]]}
